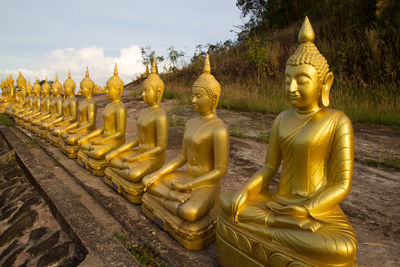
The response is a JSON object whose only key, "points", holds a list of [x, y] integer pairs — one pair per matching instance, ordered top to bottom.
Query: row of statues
{"points": [[299, 224]]}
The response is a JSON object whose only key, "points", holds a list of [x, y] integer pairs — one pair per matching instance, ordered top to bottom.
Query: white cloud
{"points": [[101, 67]]}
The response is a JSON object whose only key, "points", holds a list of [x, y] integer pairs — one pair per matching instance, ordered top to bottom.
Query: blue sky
{"points": [[41, 38]]}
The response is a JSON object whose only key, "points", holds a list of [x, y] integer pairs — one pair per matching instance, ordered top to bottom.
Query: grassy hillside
{"points": [[359, 38]]}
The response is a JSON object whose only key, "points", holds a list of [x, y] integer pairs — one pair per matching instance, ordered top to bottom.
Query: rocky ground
{"points": [[372, 205], [30, 235]]}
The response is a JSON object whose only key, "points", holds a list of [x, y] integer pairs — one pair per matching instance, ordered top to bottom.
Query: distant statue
{"points": [[87, 111], [95, 145], [129, 163], [185, 202], [301, 224]]}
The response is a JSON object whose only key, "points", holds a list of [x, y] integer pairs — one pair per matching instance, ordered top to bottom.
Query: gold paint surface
{"points": [[95, 145], [128, 164], [186, 201], [302, 223]]}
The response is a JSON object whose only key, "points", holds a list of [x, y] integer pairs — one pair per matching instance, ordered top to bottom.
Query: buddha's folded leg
{"points": [[73, 138], [85, 146], [117, 162], [138, 170], [162, 187], [201, 201], [333, 242]]}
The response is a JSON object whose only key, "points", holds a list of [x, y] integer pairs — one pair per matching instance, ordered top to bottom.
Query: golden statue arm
{"points": [[73, 115], [90, 122], [121, 127], [90, 135], [162, 137], [121, 149], [221, 154], [174, 164], [340, 172], [259, 182]]}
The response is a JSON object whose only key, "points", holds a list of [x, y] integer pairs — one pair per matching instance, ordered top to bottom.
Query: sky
{"points": [[42, 38]]}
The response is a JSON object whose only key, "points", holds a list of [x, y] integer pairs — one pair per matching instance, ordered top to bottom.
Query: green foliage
{"points": [[148, 54], [174, 56], [6, 120]]}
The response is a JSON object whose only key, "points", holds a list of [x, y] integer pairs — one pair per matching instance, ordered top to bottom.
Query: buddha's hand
{"points": [[96, 142], [149, 180], [181, 187], [237, 201], [291, 210]]}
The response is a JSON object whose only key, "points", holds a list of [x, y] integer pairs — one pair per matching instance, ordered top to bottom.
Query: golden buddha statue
{"points": [[21, 95], [9, 99], [35, 105], [45, 111], [70, 114], [18, 115], [55, 115], [86, 123], [95, 145], [129, 163], [185, 202], [301, 224]]}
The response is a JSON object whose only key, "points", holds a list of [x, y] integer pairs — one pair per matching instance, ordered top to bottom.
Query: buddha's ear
{"points": [[326, 87]]}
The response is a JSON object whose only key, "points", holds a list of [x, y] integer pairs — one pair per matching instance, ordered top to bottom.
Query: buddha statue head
{"points": [[307, 77], [21, 81], [10, 82], [69, 85], [87, 85], [115, 86], [153, 86], [46, 87], [56, 87], [36, 88], [29, 89], [206, 90]]}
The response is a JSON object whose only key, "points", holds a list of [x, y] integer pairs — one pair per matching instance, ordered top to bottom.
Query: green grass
{"points": [[6, 120], [237, 132], [33, 143], [391, 163], [144, 253]]}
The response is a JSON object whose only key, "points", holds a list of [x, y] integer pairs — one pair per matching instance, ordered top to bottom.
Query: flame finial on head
{"points": [[306, 33], [153, 66], [207, 66], [147, 69], [115, 70], [87, 72], [69, 74], [56, 77]]}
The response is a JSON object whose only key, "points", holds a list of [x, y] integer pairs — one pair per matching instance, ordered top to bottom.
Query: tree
{"points": [[148, 54], [174, 56]]}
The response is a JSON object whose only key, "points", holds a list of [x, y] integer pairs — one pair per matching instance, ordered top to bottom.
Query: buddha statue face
{"points": [[114, 86], [302, 86], [113, 92], [149, 95], [201, 101]]}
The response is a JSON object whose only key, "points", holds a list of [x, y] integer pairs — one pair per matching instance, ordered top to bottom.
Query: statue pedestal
{"points": [[54, 140], [70, 151], [95, 166], [131, 191], [192, 235], [238, 248]]}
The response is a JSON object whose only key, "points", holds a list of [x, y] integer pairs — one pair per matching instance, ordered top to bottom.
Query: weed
{"points": [[6, 120], [237, 132], [263, 137], [33, 143], [388, 163], [144, 253]]}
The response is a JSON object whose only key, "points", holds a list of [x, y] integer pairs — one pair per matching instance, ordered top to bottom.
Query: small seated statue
{"points": [[21, 95], [9, 99], [44, 108], [55, 109], [35, 111], [20, 113], [69, 113], [86, 123], [95, 145], [129, 163], [185, 202], [301, 224]]}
